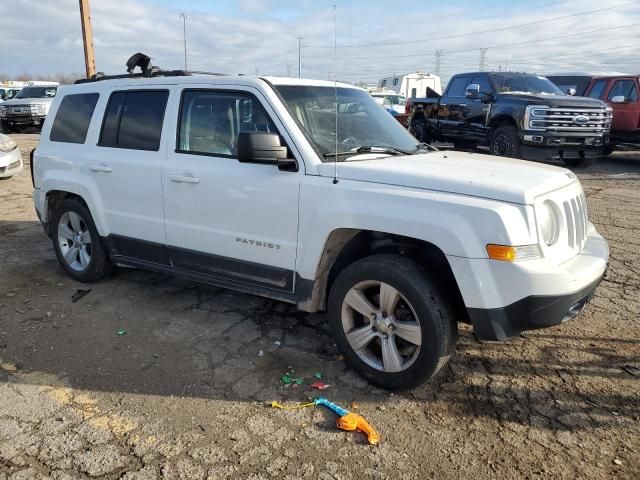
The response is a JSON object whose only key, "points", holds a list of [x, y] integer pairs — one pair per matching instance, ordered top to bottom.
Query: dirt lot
{"points": [[182, 393]]}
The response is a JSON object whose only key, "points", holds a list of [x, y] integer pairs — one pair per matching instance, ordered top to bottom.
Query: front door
{"points": [[626, 115], [232, 221]]}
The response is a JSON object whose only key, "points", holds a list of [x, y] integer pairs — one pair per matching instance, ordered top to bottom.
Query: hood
{"points": [[554, 100], [486, 176]]}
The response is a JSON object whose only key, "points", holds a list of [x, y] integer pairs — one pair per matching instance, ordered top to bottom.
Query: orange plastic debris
{"points": [[352, 421]]}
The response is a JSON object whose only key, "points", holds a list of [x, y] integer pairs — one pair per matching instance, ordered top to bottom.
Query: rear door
{"points": [[452, 107], [626, 114], [126, 168], [231, 221]]}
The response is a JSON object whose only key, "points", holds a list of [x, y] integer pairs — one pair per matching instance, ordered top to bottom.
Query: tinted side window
{"points": [[483, 81], [457, 86], [598, 87], [626, 89], [134, 120], [210, 121], [71, 123]]}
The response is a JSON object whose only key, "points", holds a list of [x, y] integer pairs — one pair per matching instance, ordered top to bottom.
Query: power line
{"points": [[480, 31], [528, 42]]}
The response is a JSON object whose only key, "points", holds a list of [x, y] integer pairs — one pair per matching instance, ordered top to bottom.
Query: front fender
{"points": [[458, 225]]}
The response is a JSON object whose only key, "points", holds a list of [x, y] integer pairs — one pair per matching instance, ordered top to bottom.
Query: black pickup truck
{"points": [[518, 115]]}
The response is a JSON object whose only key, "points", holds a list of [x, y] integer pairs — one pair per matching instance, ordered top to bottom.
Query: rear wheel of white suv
{"points": [[77, 244], [391, 322]]}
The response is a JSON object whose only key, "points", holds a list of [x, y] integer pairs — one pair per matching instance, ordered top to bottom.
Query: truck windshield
{"points": [[525, 84], [37, 92], [361, 121]]}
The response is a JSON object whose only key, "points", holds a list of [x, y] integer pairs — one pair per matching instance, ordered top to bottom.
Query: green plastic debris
{"points": [[121, 331], [318, 375], [288, 379]]}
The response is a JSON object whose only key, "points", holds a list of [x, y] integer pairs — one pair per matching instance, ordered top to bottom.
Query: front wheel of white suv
{"points": [[77, 244], [391, 322]]}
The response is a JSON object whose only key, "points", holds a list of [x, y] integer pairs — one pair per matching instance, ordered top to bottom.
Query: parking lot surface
{"points": [[151, 377]]}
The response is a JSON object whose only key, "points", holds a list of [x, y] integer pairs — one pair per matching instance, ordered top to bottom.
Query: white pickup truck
{"points": [[246, 183]]}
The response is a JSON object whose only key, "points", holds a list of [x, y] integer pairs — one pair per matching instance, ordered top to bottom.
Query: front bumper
{"points": [[24, 120], [536, 145], [10, 163], [503, 299]]}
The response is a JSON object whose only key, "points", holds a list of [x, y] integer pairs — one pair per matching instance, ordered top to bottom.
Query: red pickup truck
{"points": [[622, 94]]}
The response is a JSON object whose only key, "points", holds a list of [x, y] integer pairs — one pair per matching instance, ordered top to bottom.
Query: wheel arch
{"points": [[501, 120], [53, 198], [345, 246]]}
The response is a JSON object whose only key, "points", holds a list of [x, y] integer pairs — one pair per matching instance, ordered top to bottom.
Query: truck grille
{"points": [[565, 119], [575, 211]]}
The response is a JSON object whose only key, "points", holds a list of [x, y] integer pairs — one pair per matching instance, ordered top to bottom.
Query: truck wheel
{"points": [[6, 128], [420, 130], [505, 142], [581, 162], [77, 243], [391, 322]]}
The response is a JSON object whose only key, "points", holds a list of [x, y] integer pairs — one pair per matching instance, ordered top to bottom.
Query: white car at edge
{"points": [[10, 158], [231, 181]]}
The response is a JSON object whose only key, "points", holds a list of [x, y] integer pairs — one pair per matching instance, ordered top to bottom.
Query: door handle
{"points": [[443, 104], [463, 104], [101, 167], [184, 179]]}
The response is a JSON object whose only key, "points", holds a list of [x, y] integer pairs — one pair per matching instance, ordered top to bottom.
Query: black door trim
{"points": [[182, 261]]}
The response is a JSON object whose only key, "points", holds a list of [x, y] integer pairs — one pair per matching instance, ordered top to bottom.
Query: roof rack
{"points": [[146, 71]]}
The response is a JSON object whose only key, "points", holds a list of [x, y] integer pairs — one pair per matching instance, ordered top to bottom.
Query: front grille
{"points": [[24, 109], [565, 119], [575, 211]]}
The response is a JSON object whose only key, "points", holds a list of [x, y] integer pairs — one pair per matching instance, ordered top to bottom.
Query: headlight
{"points": [[534, 117], [6, 144], [549, 222]]}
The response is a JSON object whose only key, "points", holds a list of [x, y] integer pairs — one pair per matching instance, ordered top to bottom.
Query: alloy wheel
{"points": [[74, 240], [381, 326]]}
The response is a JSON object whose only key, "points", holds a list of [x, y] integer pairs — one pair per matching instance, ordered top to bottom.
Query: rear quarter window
{"points": [[133, 119], [72, 120]]}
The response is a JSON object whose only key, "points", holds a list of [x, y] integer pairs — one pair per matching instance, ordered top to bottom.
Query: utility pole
{"points": [[184, 17], [87, 38], [299, 57], [483, 57], [438, 60]]}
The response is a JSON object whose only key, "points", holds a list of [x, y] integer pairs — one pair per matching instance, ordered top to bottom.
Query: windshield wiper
{"points": [[425, 146], [370, 149]]}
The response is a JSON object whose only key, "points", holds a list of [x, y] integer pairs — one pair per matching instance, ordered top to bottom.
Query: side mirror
{"points": [[472, 91], [571, 91], [618, 99], [265, 148]]}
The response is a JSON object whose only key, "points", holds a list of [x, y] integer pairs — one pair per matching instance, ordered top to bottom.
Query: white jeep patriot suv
{"points": [[311, 193]]}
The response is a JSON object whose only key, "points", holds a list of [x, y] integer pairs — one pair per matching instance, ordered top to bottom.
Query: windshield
{"points": [[525, 84], [37, 92], [390, 99], [361, 121]]}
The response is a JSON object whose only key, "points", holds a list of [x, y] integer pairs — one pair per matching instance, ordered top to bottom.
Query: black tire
{"points": [[6, 128], [420, 130], [505, 142], [609, 149], [580, 162], [99, 266], [439, 330]]}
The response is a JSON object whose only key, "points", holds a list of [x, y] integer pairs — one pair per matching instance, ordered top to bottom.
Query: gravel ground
{"points": [[182, 393]]}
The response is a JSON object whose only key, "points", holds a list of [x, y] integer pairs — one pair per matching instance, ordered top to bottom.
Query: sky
{"points": [[375, 39]]}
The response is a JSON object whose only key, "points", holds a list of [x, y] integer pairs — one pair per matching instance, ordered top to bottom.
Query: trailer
{"points": [[413, 85]]}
